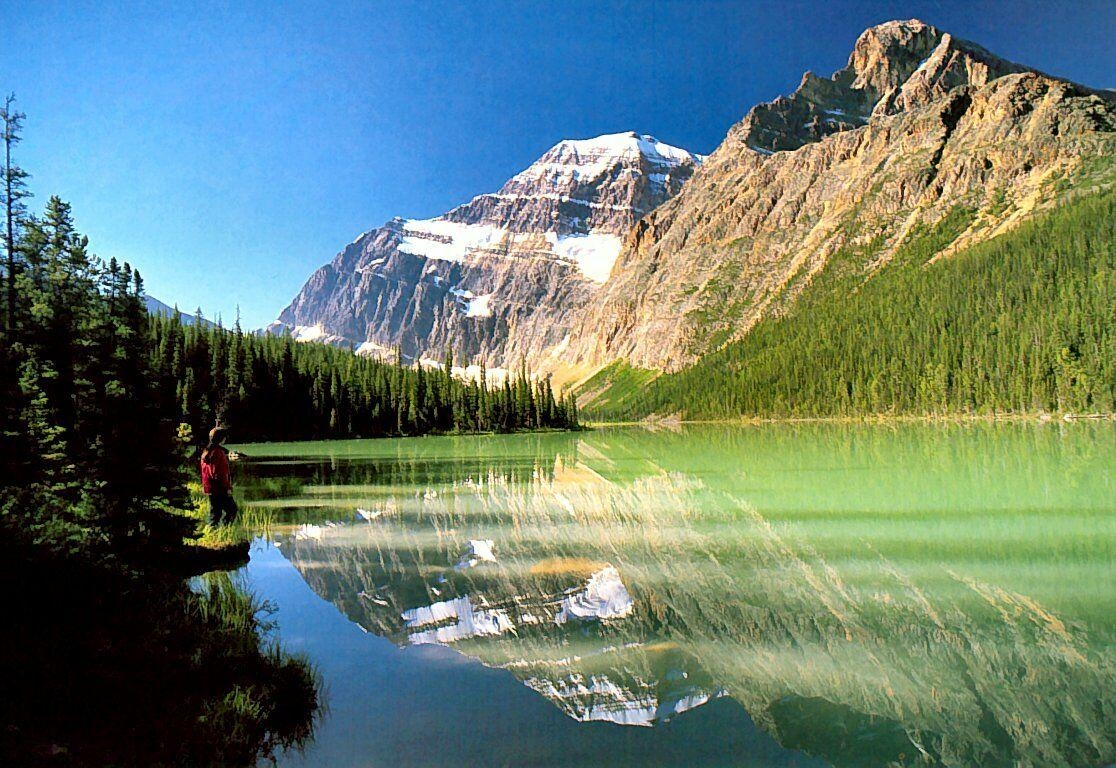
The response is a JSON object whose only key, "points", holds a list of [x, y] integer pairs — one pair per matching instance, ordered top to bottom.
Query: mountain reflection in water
{"points": [[868, 595]]}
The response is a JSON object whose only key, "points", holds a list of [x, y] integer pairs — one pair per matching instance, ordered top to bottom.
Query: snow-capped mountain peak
{"points": [[626, 145], [580, 160], [536, 248]]}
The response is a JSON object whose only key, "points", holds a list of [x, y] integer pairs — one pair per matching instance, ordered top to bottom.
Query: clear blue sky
{"points": [[229, 149]]}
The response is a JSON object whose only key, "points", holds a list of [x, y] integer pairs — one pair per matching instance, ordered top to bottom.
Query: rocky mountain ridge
{"points": [[944, 124]]}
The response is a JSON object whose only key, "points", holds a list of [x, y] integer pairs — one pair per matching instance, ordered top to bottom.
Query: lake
{"points": [[706, 595]]}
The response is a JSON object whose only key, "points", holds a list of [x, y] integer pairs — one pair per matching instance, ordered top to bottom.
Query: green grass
{"points": [[616, 387]]}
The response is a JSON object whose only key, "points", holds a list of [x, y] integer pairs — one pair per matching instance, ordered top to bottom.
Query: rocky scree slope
{"points": [[917, 124], [503, 277]]}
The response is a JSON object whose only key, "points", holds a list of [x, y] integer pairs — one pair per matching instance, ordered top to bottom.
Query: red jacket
{"points": [[215, 474]]}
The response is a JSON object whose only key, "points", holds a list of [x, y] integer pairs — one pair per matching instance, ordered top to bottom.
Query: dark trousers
{"points": [[222, 508]]}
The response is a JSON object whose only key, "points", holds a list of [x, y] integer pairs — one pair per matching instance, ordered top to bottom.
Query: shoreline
{"points": [[882, 418], [588, 425]]}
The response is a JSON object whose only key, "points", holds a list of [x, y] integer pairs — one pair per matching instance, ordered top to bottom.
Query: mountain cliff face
{"points": [[917, 124], [503, 277]]}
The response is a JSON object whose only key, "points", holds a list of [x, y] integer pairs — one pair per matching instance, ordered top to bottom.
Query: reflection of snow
{"points": [[368, 514], [308, 531], [479, 551], [370, 596], [604, 597], [468, 621], [600, 699]]}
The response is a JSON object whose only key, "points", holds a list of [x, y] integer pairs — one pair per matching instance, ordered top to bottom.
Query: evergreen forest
{"points": [[1023, 323], [268, 387]]}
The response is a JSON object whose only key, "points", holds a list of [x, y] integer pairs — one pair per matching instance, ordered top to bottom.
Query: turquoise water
{"points": [[791, 595]]}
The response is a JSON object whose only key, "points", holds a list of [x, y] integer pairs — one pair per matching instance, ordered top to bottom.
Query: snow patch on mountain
{"points": [[628, 144], [447, 240], [531, 252], [594, 253], [478, 306], [317, 333], [372, 349]]}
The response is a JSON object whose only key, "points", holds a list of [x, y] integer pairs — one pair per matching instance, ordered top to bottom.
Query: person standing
{"points": [[217, 479]]}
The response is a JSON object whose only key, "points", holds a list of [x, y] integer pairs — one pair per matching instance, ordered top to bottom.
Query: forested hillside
{"points": [[1023, 323], [275, 388]]}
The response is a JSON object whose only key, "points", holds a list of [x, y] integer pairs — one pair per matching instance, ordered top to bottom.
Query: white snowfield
{"points": [[629, 144], [586, 160], [555, 176], [564, 198], [448, 240], [593, 253], [474, 306], [478, 306], [314, 333], [372, 349], [493, 376], [604, 597]]}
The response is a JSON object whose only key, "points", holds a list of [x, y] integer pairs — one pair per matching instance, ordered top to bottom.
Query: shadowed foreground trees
{"points": [[109, 656]]}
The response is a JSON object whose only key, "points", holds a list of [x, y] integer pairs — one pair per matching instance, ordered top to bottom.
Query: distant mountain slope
{"points": [[917, 124], [503, 276], [156, 307]]}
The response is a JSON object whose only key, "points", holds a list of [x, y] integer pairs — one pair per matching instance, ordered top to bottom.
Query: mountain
{"points": [[917, 125], [619, 255], [502, 277], [156, 307]]}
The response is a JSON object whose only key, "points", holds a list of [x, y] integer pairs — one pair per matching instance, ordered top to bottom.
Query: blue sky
{"points": [[229, 149]]}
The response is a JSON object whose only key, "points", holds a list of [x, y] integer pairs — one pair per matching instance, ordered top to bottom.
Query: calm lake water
{"points": [[785, 595]]}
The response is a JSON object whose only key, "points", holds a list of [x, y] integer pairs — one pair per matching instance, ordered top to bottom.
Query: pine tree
{"points": [[14, 190]]}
